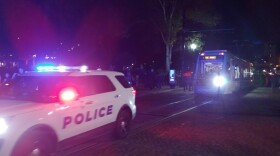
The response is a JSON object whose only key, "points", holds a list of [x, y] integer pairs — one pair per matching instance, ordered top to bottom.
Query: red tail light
{"points": [[134, 92], [68, 94]]}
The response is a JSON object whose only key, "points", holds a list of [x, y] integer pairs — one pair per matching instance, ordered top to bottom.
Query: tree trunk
{"points": [[168, 56]]}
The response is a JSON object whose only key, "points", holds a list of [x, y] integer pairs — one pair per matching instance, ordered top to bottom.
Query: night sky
{"points": [[257, 20], [103, 32]]}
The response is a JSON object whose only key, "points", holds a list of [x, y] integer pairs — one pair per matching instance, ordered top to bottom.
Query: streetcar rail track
{"points": [[165, 105], [141, 127]]}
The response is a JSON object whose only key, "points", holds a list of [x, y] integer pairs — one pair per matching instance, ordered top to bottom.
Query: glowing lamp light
{"points": [[193, 46], [219, 81], [68, 94], [3, 126]]}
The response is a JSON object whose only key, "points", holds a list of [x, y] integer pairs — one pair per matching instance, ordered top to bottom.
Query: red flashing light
{"points": [[134, 92], [68, 94]]}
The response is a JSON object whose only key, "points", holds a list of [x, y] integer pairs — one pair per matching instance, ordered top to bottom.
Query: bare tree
{"points": [[168, 17], [169, 22]]}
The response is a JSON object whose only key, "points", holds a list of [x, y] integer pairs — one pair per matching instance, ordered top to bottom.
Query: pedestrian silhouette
{"points": [[187, 80]]}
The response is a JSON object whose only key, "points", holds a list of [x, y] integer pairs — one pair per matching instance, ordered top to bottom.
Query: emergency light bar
{"points": [[50, 68]]}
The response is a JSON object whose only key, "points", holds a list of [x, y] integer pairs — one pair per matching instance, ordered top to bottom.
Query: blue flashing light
{"points": [[39, 68], [45, 68], [50, 68]]}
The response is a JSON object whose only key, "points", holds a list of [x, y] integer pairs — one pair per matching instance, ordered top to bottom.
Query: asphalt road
{"points": [[198, 126]]}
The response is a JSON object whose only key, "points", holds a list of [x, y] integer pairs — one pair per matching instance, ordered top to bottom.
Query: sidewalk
{"points": [[264, 93], [262, 101]]}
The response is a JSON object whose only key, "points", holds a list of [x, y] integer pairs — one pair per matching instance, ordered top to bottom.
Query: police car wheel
{"points": [[122, 125], [34, 143]]}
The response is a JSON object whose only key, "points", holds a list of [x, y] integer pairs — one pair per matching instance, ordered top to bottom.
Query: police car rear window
{"points": [[123, 81], [96, 84], [28, 87]]}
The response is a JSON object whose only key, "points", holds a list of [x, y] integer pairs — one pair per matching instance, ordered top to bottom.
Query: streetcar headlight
{"points": [[219, 81], [3, 126]]}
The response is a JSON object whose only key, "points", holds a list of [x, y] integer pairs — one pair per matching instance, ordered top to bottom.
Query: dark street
{"points": [[243, 124]]}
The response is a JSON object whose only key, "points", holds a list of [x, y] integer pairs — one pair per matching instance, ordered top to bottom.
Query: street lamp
{"points": [[193, 46]]}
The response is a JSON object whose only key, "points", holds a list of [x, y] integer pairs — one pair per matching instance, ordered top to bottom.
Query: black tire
{"points": [[122, 126], [34, 143]]}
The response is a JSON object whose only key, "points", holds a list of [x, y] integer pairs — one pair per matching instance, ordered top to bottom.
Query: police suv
{"points": [[40, 109]]}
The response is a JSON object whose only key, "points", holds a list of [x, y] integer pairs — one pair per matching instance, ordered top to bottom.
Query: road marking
{"points": [[177, 102], [186, 110]]}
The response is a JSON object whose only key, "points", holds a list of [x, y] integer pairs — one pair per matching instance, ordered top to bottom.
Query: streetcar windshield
{"points": [[210, 64], [211, 68]]}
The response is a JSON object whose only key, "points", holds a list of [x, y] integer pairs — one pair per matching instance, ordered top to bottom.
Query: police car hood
{"points": [[14, 107]]}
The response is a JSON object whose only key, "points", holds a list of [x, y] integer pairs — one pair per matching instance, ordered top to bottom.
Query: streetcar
{"points": [[221, 72]]}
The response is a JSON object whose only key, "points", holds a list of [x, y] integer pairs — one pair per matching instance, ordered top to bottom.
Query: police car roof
{"points": [[71, 73]]}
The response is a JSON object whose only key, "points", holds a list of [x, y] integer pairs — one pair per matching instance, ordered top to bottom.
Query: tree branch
{"points": [[163, 5]]}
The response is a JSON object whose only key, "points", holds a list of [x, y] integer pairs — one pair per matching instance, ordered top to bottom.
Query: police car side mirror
{"points": [[68, 94]]}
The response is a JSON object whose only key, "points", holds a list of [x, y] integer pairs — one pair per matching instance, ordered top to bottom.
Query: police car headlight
{"points": [[219, 81], [3, 126]]}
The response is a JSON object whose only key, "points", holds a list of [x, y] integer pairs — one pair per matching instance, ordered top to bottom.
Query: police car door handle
{"points": [[116, 96], [89, 102]]}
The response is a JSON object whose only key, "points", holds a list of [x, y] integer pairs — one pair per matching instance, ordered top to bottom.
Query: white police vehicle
{"points": [[41, 109]]}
